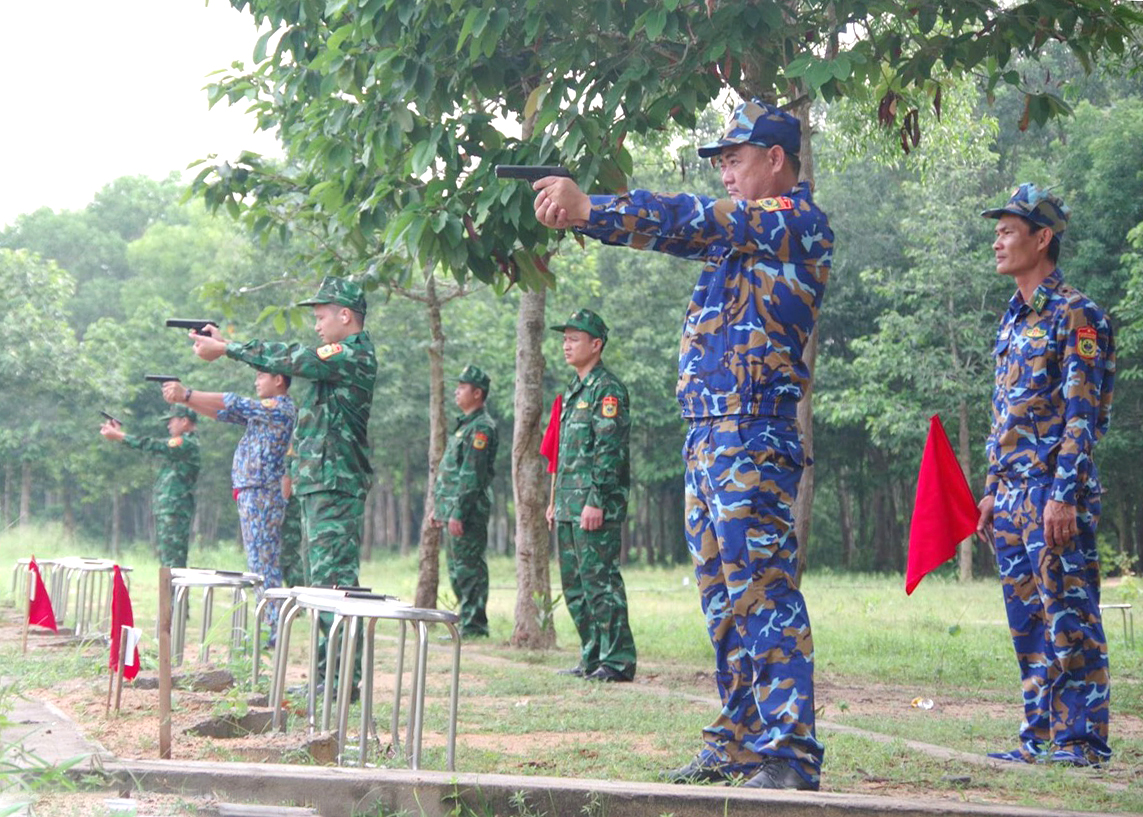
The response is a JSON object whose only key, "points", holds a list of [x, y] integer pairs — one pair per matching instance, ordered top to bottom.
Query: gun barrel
{"points": [[530, 173], [196, 324], [161, 378], [112, 418]]}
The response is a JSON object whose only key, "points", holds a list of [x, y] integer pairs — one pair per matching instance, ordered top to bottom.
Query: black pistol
{"points": [[530, 173], [194, 324], [161, 378], [111, 418]]}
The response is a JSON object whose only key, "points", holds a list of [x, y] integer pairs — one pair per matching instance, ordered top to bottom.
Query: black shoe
{"points": [[575, 672], [608, 676], [298, 691], [703, 769], [778, 774]]}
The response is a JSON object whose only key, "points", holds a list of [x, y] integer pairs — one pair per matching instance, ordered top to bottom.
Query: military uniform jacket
{"points": [[756, 300], [1055, 373], [330, 438], [260, 456], [594, 459], [179, 463], [464, 481]]}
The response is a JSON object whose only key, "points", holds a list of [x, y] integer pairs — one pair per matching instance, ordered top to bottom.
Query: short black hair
{"points": [[794, 161], [1053, 245], [287, 380]]}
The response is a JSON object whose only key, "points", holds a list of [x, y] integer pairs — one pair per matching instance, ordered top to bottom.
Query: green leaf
{"points": [[654, 22], [260, 46], [954, 630]]}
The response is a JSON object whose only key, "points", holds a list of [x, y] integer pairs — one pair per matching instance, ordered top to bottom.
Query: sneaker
{"points": [[1027, 752], [1069, 757], [705, 768], [776, 773]]}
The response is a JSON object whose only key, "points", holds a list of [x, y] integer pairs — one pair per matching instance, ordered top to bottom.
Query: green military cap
{"points": [[1040, 207], [340, 291], [586, 321], [476, 377], [179, 410]]}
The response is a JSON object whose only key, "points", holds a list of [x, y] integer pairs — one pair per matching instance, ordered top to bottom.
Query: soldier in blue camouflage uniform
{"points": [[766, 251], [1055, 371], [258, 466], [333, 471], [462, 498], [173, 500], [589, 507]]}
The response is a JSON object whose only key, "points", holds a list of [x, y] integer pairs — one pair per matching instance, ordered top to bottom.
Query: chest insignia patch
{"points": [[772, 204], [1036, 333], [1086, 344], [329, 350], [582, 404], [610, 406], [480, 441], [174, 442]]}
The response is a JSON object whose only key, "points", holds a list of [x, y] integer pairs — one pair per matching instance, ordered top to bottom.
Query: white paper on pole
{"points": [[134, 635]]}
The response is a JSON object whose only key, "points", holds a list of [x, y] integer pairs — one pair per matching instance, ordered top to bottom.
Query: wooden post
{"points": [[165, 663], [117, 674]]}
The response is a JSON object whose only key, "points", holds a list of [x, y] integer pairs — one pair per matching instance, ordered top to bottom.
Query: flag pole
{"points": [[27, 609], [165, 663]]}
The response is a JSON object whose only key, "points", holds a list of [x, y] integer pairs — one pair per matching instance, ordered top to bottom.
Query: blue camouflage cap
{"points": [[757, 123], [1040, 207], [340, 291], [585, 321], [473, 375]]}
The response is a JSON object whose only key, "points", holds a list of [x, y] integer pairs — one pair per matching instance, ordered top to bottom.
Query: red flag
{"points": [[550, 446], [945, 511], [40, 612], [121, 616]]}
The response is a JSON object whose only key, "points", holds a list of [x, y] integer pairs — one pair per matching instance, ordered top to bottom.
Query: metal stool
{"points": [[21, 576], [91, 579], [183, 579], [1125, 609], [348, 612]]}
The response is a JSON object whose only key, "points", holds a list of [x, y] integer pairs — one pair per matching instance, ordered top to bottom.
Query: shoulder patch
{"points": [[774, 203], [1087, 345], [329, 350], [270, 402], [610, 406], [480, 441], [174, 442]]}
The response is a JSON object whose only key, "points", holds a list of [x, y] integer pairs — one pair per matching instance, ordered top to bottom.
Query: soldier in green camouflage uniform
{"points": [[333, 473], [463, 499], [173, 500], [590, 502], [295, 572]]}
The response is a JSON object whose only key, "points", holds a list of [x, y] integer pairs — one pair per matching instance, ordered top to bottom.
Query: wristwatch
{"points": [[187, 396]]}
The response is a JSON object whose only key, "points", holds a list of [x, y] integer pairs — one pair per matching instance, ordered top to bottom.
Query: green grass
{"points": [[875, 649]]}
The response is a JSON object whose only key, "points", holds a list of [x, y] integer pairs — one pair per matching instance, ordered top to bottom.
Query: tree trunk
{"points": [[8, 477], [530, 483], [25, 493], [406, 504], [69, 511], [844, 519], [391, 527], [115, 528], [964, 549], [429, 562]]}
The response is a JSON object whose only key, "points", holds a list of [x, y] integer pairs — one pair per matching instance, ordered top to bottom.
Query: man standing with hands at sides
{"points": [[766, 251], [1055, 372], [330, 440], [258, 467], [173, 499], [462, 499], [589, 507]]}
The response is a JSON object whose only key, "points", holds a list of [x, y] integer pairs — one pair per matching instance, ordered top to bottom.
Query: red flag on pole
{"points": [[550, 446], [944, 513], [40, 612], [121, 616]]}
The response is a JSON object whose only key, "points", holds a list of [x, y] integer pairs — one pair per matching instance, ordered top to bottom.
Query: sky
{"points": [[92, 91]]}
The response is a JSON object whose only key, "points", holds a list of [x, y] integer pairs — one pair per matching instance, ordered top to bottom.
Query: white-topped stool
{"points": [[183, 580]]}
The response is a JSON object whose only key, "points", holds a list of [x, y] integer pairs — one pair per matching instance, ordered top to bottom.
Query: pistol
{"points": [[530, 173], [194, 324], [161, 378], [111, 418]]}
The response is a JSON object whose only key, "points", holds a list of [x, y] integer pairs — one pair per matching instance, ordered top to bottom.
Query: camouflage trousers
{"points": [[741, 481], [260, 513], [333, 524], [173, 533], [295, 571], [468, 573], [595, 596], [1052, 599]]}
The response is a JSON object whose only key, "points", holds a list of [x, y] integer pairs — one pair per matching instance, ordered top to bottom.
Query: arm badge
{"points": [[775, 203], [1086, 344], [329, 350], [270, 402], [610, 406], [480, 441], [174, 442]]}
